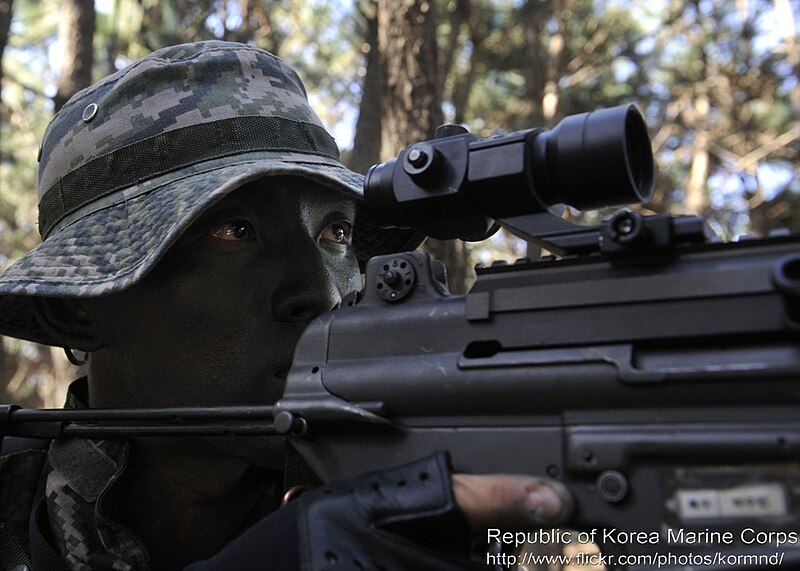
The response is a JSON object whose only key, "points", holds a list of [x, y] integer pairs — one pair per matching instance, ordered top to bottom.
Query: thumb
{"points": [[512, 501]]}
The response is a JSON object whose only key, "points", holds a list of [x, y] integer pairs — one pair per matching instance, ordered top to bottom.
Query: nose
{"points": [[308, 290], [304, 308]]}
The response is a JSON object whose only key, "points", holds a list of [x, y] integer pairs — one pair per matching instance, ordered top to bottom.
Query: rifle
{"points": [[650, 369]]}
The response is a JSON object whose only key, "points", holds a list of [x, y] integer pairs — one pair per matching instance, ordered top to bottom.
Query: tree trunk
{"points": [[6, 7], [459, 13], [534, 16], [478, 24], [5, 25], [76, 33], [267, 34], [111, 41], [555, 63], [411, 98], [412, 103], [367, 141], [696, 197], [696, 201]]}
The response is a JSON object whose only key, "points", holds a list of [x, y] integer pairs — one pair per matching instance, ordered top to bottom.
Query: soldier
{"points": [[195, 216]]}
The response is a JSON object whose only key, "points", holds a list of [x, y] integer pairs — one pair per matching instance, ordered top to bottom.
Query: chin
{"points": [[262, 451]]}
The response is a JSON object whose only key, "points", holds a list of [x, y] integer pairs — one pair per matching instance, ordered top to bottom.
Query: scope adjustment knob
{"points": [[422, 162]]}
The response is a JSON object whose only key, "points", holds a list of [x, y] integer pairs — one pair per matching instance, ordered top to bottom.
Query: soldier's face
{"points": [[217, 320]]}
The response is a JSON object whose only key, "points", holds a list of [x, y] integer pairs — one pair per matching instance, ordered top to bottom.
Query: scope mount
{"points": [[625, 231]]}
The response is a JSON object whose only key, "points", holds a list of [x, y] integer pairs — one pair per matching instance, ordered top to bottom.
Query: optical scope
{"points": [[457, 185]]}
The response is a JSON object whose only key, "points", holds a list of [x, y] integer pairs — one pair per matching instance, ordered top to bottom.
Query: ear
{"points": [[65, 321]]}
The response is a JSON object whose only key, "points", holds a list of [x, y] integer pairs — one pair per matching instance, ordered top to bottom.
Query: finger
{"points": [[512, 501]]}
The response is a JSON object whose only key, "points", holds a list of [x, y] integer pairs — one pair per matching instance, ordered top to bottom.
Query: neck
{"points": [[186, 497], [185, 503]]}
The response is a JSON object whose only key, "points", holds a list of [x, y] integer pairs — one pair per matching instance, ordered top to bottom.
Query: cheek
{"points": [[346, 274], [221, 333], [181, 343]]}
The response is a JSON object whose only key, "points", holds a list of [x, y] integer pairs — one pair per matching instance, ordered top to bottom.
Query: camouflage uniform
{"points": [[78, 478]]}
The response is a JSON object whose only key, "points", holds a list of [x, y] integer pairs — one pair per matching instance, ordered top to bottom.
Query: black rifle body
{"points": [[662, 387]]}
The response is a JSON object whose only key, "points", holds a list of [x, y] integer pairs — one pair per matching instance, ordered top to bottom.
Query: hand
{"points": [[512, 501]]}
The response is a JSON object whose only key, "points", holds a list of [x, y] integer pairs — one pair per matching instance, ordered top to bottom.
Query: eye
{"points": [[233, 230], [339, 233]]}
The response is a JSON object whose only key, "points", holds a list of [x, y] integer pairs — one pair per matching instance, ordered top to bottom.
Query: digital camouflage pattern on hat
{"points": [[129, 163]]}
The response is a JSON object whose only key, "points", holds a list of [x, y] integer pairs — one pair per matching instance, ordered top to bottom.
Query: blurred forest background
{"points": [[716, 80]]}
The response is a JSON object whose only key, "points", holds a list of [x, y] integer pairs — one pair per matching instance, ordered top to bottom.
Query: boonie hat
{"points": [[129, 163]]}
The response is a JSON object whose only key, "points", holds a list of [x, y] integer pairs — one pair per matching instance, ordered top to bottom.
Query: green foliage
{"points": [[671, 58]]}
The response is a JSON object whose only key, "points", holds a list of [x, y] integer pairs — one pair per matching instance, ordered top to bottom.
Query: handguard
{"points": [[402, 518]]}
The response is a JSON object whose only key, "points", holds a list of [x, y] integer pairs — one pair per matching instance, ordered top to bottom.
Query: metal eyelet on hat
{"points": [[89, 112]]}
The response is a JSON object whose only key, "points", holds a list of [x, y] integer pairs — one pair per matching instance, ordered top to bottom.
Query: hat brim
{"points": [[114, 245]]}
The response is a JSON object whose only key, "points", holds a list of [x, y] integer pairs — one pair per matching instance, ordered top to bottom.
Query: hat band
{"points": [[175, 150]]}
